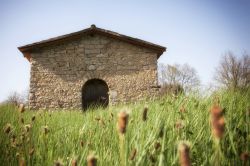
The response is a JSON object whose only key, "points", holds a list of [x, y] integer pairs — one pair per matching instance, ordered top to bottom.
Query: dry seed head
{"points": [[21, 108], [182, 109], [216, 111], [144, 114], [111, 115], [33, 118], [97, 118], [22, 120], [131, 120], [101, 122], [122, 122], [217, 122], [179, 124], [27, 127], [7, 128], [46, 130], [161, 132], [22, 137], [13, 139], [28, 139], [81, 143], [13, 144], [18, 144], [157, 145], [31, 151], [133, 154], [184, 154], [17, 155], [244, 156], [152, 158], [91, 160], [22, 162], [74, 162], [58, 163]]}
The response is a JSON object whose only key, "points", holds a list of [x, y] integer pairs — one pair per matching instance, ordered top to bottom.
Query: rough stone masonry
{"points": [[60, 67]]}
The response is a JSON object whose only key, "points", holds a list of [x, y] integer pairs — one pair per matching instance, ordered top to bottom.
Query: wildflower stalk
{"points": [[21, 108], [144, 114], [121, 126], [218, 129], [45, 141], [122, 149], [162, 149], [31, 153], [133, 154], [184, 154], [218, 155], [91, 160], [22, 162], [74, 162]]}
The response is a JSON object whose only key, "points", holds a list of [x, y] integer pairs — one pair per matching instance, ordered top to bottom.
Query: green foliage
{"points": [[67, 135]]}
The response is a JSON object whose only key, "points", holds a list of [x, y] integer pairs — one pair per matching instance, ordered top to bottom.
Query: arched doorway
{"points": [[95, 94]]}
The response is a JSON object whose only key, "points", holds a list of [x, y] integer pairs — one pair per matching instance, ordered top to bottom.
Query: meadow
{"points": [[154, 131]]}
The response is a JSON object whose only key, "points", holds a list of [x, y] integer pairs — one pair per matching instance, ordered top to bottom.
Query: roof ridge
{"points": [[93, 29]]}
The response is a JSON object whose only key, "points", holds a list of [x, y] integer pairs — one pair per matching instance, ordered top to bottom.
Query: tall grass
{"points": [[65, 137]]}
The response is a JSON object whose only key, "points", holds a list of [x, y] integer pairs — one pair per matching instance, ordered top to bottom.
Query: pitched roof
{"points": [[92, 30]]}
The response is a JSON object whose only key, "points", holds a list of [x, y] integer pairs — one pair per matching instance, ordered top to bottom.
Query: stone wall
{"points": [[58, 72]]}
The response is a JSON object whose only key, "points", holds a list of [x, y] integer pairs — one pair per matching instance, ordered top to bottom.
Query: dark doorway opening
{"points": [[95, 94]]}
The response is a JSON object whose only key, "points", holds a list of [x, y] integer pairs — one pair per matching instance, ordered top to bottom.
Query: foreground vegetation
{"points": [[66, 137]]}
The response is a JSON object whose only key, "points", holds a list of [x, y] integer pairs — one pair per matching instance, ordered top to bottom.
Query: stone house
{"points": [[91, 66]]}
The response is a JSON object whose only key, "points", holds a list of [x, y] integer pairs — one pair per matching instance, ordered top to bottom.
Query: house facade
{"points": [[92, 66]]}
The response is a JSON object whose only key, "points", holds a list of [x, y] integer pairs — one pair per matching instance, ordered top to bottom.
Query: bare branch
{"points": [[232, 72], [181, 75]]}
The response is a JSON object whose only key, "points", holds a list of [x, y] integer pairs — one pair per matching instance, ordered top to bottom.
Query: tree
{"points": [[246, 70], [232, 72], [184, 76], [14, 98], [17, 98]]}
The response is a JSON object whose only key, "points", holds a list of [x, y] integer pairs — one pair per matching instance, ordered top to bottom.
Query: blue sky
{"points": [[196, 32]]}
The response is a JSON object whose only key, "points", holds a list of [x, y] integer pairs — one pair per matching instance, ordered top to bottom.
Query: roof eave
{"points": [[59, 39], [28, 48]]}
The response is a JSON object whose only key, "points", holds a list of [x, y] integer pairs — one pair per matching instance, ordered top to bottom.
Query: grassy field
{"points": [[47, 138]]}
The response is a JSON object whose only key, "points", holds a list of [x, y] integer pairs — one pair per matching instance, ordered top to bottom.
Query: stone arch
{"points": [[95, 93]]}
